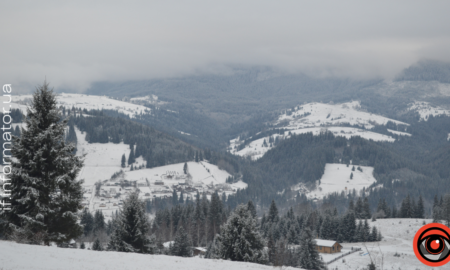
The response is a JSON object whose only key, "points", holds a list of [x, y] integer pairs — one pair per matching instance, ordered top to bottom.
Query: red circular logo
{"points": [[432, 244]]}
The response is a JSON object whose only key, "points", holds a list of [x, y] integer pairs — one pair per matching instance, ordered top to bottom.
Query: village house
{"points": [[327, 246], [199, 251]]}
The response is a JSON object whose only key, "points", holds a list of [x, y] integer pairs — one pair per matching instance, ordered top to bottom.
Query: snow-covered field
{"points": [[82, 101], [425, 110], [332, 115], [318, 118], [101, 159], [336, 178], [398, 235], [26, 257]]}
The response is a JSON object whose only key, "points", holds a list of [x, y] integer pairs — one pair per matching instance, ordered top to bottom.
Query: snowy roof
{"points": [[325, 243], [167, 244], [200, 248]]}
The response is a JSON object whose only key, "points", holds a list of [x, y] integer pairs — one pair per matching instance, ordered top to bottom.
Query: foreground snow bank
{"points": [[19, 256]]}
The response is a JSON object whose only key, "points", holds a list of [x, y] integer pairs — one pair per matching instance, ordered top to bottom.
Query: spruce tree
{"points": [[72, 137], [131, 158], [124, 161], [185, 168], [45, 195], [174, 197], [181, 201], [251, 208], [359, 208], [366, 209], [273, 212], [214, 215], [87, 220], [99, 221], [131, 227], [366, 231], [374, 235], [239, 238], [182, 244], [97, 245], [82, 246], [308, 255]]}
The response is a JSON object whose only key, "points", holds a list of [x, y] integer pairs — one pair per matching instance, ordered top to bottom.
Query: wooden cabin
{"points": [[327, 246], [199, 251]]}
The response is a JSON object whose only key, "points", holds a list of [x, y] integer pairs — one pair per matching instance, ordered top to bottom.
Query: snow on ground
{"points": [[152, 99], [82, 101], [425, 110], [333, 114], [318, 118], [399, 133], [256, 149], [102, 159], [198, 171], [336, 178], [398, 235], [25, 257]]}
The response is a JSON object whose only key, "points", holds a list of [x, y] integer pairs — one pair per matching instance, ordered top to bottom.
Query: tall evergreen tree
{"points": [[72, 136], [131, 157], [124, 161], [185, 168], [45, 195], [174, 197], [251, 208], [273, 212], [214, 215], [87, 220], [99, 221], [131, 227], [239, 239], [97, 245], [182, 245], [308, 255]]}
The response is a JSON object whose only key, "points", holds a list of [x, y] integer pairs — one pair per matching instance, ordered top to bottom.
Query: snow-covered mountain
{"points": [[88, 102], [425, 110], [318, 118], [102, 160], [336, 179]]}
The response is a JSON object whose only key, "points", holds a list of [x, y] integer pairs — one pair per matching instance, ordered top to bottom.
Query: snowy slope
{"points": [[88, 102], [425, 110], [333, 114], [318, 118], [256, 149], [101, 159], [336, 178], [398, 235], [26, 257]]}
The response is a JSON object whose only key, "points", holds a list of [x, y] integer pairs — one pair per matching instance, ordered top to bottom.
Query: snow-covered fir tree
{"points": [[45, 193], [87, 220], [99, 222], [130, 233], [239, 238], [97, 245], [182, 245], [308, 255]]}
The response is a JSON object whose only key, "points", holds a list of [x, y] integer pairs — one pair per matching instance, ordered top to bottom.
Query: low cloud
{"points": [[75, 44]]}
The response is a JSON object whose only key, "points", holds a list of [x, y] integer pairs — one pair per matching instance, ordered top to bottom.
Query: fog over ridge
{"points": [[75, 44]]}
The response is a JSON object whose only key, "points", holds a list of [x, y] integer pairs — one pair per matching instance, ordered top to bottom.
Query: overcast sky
{"points": [[75, 44]]}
